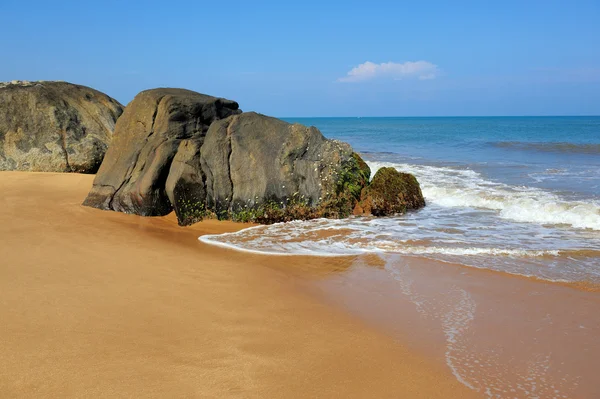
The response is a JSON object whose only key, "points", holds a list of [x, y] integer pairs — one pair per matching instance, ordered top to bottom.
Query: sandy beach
{"points": [[300, 200], [103, 304]]}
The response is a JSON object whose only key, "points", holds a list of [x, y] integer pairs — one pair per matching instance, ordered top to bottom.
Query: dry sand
{"points": [[102, 304]]}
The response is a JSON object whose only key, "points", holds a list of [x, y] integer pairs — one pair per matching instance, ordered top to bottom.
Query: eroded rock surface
{"points": [[54, 126], [199, 155], [254, 167], [134, 172]]}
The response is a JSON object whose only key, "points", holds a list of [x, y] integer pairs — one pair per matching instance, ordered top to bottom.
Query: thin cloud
{"points": [[421, 70], [580, 74]]}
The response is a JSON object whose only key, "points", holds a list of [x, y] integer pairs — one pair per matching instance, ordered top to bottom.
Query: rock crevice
{"points": [[228, 156]]}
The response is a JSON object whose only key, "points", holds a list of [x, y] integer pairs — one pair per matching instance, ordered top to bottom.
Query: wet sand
{"points": [[102, 304], [502, 335]]}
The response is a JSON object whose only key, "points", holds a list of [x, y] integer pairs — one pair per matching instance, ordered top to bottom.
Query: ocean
{"points": [[519, 195]]}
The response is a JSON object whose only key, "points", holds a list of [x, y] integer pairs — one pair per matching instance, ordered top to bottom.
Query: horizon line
{"points": [[447, 116]]}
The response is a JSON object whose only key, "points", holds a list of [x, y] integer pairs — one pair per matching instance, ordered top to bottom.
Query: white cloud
{"points": [[422, 70]]}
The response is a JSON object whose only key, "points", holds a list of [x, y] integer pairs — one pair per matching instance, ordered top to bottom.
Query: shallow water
{"points": [[504, 337]]}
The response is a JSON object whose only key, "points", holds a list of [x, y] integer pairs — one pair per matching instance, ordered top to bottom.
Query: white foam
{"points": [[450, 187], [468, 220], [215, 239], [266, 243]]}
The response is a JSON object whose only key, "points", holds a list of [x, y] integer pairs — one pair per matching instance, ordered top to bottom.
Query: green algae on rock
{"points": [[261, 169], [390, 193]]}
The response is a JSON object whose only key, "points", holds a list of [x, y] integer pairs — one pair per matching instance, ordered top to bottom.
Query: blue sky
{"points": [[294, 58]]}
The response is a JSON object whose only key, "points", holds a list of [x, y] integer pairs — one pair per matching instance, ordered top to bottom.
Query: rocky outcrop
{"points": [[54, 126], [199, 155], [253, 167], [133, 175], [390, 193]]}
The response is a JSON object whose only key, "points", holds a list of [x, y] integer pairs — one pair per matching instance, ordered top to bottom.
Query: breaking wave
{"points": [[448, 187]]}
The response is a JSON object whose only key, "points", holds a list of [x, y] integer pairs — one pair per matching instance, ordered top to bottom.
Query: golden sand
{"points": [[102, 304]]}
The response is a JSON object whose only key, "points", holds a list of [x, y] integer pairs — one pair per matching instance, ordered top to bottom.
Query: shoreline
{"points": [[587, 286], [104, 304], [510, 334]]}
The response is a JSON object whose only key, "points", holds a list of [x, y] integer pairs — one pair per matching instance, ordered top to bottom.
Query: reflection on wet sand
{"points": [[500, 335]]}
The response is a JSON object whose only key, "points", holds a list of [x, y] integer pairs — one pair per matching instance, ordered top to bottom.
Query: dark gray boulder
{"points": [[54, 126], [202, 157], [253, 163], [251, 167], [133, 175]]}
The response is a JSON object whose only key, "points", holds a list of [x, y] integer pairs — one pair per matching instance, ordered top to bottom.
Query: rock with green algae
{"points": [[199, 155], [261, 169], [390, 193]]}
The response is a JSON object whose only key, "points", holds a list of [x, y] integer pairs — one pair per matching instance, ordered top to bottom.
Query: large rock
{"points": [[54, 126], [199, 155], [251, 167], [133, 175], [390, 193]]}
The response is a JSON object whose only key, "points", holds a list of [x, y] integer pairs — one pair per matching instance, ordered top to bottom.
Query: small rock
{"points": [[390, 193]]}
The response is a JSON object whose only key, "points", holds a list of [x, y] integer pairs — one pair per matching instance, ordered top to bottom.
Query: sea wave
{"points": [[564, 147], [449, 187], [468, 220], [357, 236], [262, 242]]}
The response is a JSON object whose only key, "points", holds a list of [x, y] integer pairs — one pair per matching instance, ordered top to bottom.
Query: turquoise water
{"points": [[519, 195]]}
